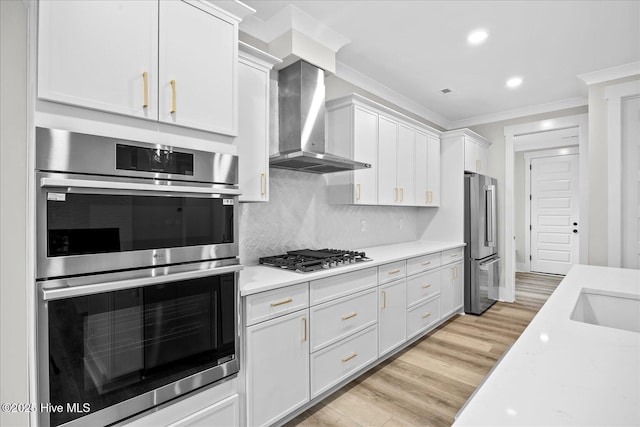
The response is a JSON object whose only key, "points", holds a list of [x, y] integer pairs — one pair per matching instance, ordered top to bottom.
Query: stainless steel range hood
{"points": [[302, 125]]}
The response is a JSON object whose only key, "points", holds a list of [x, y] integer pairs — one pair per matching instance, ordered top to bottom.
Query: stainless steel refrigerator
{"points": [[481, 261]]}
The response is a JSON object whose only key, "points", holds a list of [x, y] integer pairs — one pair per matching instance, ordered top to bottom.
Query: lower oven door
{"points": [[113, 349]]}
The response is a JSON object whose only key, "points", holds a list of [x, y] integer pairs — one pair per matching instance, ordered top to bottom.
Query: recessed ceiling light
{"points": [[477, 36], [514, 82]]}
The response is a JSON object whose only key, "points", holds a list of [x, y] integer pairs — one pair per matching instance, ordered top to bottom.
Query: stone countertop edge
{"points": [[258, 278], [562, 371]]}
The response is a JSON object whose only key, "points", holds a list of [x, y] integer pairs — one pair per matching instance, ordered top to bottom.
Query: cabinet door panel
{"points": [[199, 52], [94, 54], [252, 142], [365, 147], [387, 160], [406, 166], [422, 170], [433, 170], [447, 278], [458, 286], [392, 321], [277, 367], [224, 413]]}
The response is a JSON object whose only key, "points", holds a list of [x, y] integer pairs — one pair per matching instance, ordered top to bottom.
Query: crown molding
{"points": [[292, 18], [613, 73], [370, 85], [521, 112]]}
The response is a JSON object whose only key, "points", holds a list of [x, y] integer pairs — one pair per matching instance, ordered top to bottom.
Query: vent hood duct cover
{"points": [[302, 120]]}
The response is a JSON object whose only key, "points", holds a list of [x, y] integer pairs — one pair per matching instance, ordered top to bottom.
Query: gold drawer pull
{"points": [[145, 78], [173, 96], [359, 188], [453, 255], [426, 263], [394, 271], [426, 286], [287, 301], [350, 316], [424, 316], [304, 319], [346, 359]]}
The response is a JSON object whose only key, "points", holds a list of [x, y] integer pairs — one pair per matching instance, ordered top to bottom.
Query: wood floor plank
{"points": [[427, 383]]}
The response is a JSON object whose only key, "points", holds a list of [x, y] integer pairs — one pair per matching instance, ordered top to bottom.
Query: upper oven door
{"points": [[88, 224]]}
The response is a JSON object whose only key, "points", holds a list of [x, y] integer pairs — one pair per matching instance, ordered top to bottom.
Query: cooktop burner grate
{"points": [[307, 260]]}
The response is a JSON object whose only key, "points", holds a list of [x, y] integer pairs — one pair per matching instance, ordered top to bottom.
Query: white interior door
{"points": [[630, 111], [554, 213]]}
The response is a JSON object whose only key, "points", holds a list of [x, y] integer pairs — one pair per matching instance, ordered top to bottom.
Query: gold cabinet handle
{"points": [[145, 78], [173, 96], [478, 165], [263, 184], [358, 190], [395, 194], [401, 194], [426, 197], [430, 197], [453, 255], [426, 263], [394, 271], [426, 286], [384, 299], [287, 301], [350, 316], [424, 316], [304, 320], [346, 359]]}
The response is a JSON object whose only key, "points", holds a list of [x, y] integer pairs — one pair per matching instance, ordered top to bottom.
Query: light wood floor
{"points": [[427, 383]]}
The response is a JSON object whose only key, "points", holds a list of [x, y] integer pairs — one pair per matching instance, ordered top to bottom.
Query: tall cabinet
{"points": [[254, 67]]}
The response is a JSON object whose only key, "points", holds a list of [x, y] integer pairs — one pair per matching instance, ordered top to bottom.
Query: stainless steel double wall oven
{"points": [[137, 263]]}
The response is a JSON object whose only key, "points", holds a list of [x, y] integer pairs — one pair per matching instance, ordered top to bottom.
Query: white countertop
{"points": [[254, 279], [565, 372]]}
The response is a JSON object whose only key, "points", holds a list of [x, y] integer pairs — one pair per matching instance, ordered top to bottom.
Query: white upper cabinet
{"points": [[100, 54], [169, 61], [197, 75], [253, 123], [352, 132], [476, 150], [404, 155], [387, 162], [405, 168]]}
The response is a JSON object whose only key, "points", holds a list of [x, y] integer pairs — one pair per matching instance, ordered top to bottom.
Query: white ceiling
{"points": [[417, 48]]}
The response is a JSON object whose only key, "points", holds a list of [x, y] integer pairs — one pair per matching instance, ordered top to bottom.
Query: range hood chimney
{"points": [[302, 123]]}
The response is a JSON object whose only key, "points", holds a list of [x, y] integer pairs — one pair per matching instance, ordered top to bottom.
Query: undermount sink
{"points": [[610, 309]]}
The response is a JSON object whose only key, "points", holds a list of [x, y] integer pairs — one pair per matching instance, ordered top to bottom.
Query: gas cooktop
{"points": [[307, 260]]}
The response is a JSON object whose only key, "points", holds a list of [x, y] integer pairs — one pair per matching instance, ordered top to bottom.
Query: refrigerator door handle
{"points": [[490, 218]]}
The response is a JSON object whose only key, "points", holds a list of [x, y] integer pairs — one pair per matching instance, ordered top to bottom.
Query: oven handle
{"points": [[110, 185], [82, 290]]}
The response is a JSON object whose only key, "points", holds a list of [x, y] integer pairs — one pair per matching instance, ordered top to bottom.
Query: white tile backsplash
{"points": [[299, 216]]}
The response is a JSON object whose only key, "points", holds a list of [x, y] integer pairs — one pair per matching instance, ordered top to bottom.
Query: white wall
{"points": [[598, 171], [13, 209]]}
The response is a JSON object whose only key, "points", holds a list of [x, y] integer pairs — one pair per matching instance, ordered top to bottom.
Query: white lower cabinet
{"points": [[451, 288], [392, 299], [421, 316], [335, 363], [277, 367]]}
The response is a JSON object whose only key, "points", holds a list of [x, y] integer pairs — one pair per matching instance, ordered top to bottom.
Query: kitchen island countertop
{"points": [[258, 278], [567, 372]]}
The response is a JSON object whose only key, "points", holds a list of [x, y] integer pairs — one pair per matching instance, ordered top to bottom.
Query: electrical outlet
{"points": [[363, 225]]}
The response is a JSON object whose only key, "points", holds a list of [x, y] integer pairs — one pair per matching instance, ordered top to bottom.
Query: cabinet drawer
{"points": [[452, 255], [423, 263], [392, 271], [422, 286], [333, 287], [270, 304], [422, 316], [338, 319], [335, 363]]}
